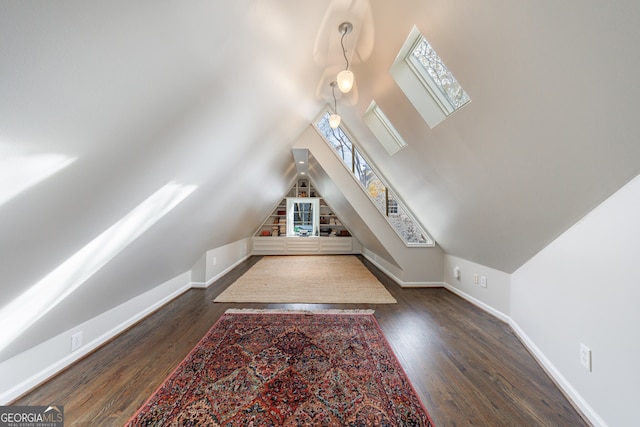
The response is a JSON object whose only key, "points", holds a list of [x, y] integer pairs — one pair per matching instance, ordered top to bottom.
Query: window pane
{"points": [[431, 66], [336, 137], [364, 173], [370, 181], [403, 223]]}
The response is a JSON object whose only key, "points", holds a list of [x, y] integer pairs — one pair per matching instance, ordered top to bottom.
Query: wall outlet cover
{"points": [[76, 341], [585, 357]]}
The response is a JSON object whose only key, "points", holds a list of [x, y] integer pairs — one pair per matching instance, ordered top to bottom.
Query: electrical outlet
{"points": [[215, 260], [456, 272], [475, 279], [483, 281], [76, 341], [585, 357]]}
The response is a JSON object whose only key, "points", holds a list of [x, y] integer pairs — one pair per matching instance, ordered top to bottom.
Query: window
{"points": [[426, 81], [380, 194], [392, 207], [303, 216]]}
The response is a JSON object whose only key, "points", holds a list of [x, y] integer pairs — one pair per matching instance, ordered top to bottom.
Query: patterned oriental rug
{"points": [[283, 368]]}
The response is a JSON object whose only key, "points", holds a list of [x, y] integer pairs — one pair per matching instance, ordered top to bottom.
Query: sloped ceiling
{"points": [[215, 94], [549, 132]]}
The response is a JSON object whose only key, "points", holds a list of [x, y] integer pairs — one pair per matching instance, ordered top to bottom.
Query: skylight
{"points": [[426, 81], [383, 129], [371, 182]]}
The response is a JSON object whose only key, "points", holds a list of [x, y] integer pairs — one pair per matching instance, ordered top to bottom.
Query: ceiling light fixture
{"points": [[345, 77], [334, 119]]}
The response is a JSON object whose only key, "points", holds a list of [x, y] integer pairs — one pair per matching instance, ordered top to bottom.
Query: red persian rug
{"points": [[262, 368]]}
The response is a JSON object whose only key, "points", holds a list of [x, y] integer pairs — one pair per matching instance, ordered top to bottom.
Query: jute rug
{"points": [[308, 279], [260, 368]]}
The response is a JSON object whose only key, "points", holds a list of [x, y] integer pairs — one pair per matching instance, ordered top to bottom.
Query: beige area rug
{"points": [[340, 279]]}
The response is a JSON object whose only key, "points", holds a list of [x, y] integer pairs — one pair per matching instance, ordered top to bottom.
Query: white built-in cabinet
{"points": [[302, 223]]}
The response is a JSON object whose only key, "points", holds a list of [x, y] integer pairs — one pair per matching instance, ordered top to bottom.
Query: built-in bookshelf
{"points": [[329, 224]]}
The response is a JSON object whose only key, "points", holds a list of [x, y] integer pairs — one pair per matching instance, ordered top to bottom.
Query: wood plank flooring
{"points": [[467, 367]]}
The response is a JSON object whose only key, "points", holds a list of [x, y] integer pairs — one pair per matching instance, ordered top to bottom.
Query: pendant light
{"points": [[345, 77], [334, 119]]}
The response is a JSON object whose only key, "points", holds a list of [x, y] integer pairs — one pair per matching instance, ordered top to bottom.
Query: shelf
{"points": [[329, 225]]}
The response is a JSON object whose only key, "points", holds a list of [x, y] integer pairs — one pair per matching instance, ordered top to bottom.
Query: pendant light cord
{"points": [[344, 51]]}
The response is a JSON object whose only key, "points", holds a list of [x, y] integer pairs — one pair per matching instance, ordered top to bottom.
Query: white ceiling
{"points": [[215, 94]]}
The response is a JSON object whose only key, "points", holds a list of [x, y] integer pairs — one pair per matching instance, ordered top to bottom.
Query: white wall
{"points": [[217, 262], [585, 288], [495, 297], [26, 370]]}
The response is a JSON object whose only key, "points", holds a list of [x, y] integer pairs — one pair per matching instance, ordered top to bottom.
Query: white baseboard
{"points": [[398, 281], [422, 284], [204, 285], [496, 313], [32, 367], [567, 389], [576, 399]]}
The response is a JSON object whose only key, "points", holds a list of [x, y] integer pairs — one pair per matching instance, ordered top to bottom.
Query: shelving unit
{"points": [[330, 224], [275, 225], [330, 236]]}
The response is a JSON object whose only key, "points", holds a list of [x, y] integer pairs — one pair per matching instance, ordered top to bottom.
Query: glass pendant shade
{"points": [[345, 80], [334, 121]]}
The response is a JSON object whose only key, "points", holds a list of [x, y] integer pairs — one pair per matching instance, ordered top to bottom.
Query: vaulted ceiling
{"points": [[215, 94]]}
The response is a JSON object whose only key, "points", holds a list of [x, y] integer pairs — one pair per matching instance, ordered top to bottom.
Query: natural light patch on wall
{"points": [[426, 81], [383, 129], [20, 170], [382, 196], [30, 306]]}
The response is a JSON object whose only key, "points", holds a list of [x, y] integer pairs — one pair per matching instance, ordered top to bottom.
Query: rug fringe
{"points": [[293, 311]]}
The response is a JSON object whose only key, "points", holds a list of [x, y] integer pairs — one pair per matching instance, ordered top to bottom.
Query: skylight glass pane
{"points": [[431, 66], [426, 81], [390, 207]]}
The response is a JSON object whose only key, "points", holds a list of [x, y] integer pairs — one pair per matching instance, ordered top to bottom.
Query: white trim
{"points": [[381, 268], [399, 282], [422, 284], [205, 285], [486, 307], [34, 366], [561, 382], [570, 393]]}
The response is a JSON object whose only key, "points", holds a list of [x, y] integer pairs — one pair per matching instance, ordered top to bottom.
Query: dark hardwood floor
{"points": [[467, 367]]}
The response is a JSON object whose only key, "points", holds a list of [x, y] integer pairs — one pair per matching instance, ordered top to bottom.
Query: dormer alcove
{"points": [[302, 223]]}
